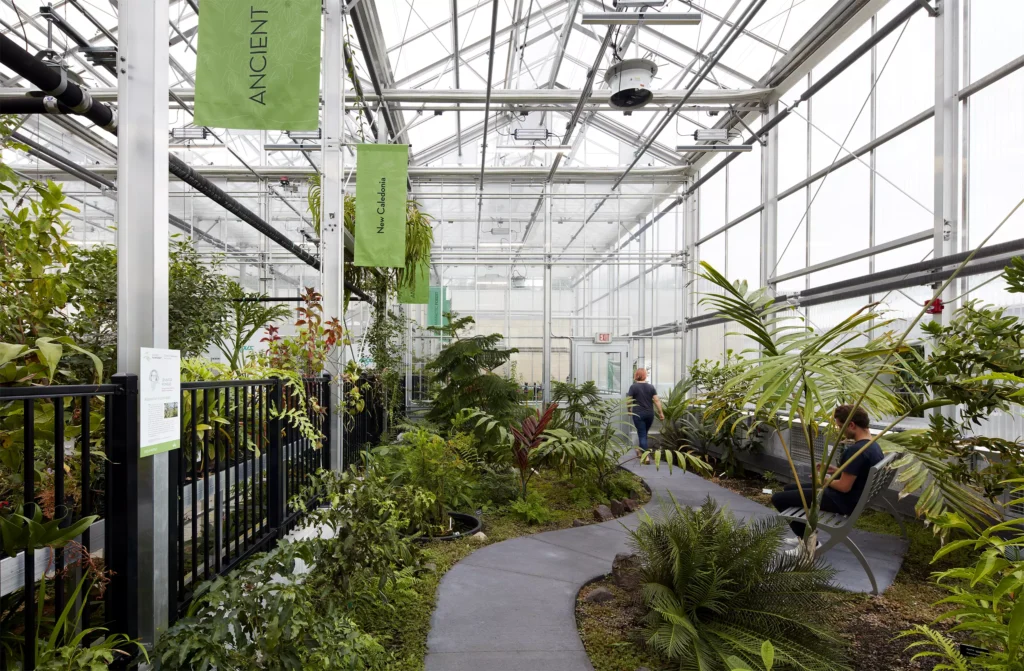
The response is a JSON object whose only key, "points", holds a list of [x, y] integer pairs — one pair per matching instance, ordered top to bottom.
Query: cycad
{"points": [[717, 589]]}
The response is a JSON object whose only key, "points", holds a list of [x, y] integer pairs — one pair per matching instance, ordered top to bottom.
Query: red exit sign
{"points": [[602, 338]]}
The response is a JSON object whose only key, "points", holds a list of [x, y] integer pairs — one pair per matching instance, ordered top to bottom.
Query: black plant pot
{"points": [[471, 522]]}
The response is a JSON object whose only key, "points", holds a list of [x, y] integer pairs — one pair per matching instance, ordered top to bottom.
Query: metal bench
{"points": [[839, 526]]}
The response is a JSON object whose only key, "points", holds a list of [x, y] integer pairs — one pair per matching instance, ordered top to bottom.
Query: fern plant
{"points": [[463, 374], [573, 400], [717, 589], [986, 599]]}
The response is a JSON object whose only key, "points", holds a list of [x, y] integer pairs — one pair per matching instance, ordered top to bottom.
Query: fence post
{"points": [[325, 402], [275, 462], [121, 523]]}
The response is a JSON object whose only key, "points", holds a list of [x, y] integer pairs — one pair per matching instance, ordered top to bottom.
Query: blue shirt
{"points": [[859, 467]]}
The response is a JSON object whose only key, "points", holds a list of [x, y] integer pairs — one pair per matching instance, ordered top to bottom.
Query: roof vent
{"points": [[631, 80]]}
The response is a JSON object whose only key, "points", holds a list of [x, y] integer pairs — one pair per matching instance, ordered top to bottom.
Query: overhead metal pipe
{"points": [[56, 84], [487, 97]]}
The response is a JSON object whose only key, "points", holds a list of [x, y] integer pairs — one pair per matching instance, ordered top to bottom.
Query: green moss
{"points": [[611, 634]]}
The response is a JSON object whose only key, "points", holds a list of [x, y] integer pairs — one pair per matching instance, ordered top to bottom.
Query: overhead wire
{"points": [[828, 172]]}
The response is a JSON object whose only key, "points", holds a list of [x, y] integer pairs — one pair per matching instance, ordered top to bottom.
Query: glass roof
{"points": [[418, 38]]}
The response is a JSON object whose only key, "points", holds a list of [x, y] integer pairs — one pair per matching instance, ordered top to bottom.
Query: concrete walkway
{"points": [[511, 606]]}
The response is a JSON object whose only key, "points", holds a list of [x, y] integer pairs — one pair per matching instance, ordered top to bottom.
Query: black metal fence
{"points": [[55, 446], [247, 447], [70, 452]]}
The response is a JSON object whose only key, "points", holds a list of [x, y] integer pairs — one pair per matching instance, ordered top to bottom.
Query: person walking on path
{"points": [[645, 401]]}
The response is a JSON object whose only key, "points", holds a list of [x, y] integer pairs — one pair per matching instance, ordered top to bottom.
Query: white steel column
{"points": [[947, 132], [770, 195], [332, 219], [142, 268], [546, 358]]}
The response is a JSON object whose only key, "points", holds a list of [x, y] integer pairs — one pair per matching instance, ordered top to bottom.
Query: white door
{"points": [[607, 364]]}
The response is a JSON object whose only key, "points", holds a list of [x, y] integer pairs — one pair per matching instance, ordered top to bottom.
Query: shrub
{"points": [[532, 510], [717, 589], [987, 599], [267, 616]]}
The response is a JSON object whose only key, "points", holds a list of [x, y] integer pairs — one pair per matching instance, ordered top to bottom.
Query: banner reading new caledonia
{"points": [[258, 65], [381, 174]]}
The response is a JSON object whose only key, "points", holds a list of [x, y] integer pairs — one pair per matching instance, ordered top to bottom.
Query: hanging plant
{"points": [[419, 238]]}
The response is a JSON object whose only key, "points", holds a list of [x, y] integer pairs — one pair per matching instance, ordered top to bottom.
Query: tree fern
{"points": [[717, 590]]}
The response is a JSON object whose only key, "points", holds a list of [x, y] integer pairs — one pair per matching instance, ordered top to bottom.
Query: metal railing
{"points": [[66, 434], [243, 456]]}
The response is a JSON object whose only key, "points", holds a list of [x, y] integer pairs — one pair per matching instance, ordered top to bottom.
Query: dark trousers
{"points": [[643, 422], [789, 497]]}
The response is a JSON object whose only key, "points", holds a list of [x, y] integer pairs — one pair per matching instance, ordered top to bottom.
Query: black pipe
{"points": [[875, 38], [55, 83], [32, 105], [62, 163], [922, 266], [917, 280], [357, 294]]}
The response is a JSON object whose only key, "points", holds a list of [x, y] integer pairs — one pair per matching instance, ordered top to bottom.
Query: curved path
{"points": [[511, 606]]}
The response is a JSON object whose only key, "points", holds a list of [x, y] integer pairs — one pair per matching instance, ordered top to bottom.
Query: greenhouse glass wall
{"points": [[670, 257]]}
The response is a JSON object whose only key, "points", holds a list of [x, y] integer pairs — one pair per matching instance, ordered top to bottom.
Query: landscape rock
{"points": [[630, 504], [618, 508], [603, 513], [578, 523], [480, 536], [430, 566], [625, 571], [600, 595]]}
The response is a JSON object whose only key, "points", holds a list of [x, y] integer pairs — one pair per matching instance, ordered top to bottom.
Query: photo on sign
{"points": [[154, 380], [170, 410]]}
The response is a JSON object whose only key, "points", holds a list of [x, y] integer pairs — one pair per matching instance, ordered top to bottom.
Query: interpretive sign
{"points": [[258, 65], [381, 174], [159, 401]]}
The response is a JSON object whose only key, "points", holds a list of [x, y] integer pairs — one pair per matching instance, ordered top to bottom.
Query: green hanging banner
{"points": [[258, 65], [381, 174], [416, 289], [437, 305]]}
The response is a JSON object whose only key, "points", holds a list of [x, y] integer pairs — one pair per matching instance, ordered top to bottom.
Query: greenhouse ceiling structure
{"points": [[579, 163]]}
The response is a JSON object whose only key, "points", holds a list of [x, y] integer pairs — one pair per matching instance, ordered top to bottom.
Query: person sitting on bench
{"points": [[845, 491]]}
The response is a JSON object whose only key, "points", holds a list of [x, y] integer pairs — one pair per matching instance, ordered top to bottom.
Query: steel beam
{"points": [[366, 23], [142, 303]]}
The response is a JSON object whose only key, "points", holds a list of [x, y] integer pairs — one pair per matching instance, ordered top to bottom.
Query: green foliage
{"points": [[1013, 274], [197, 304], [245, 318], [93, 322], [385, 339], [463, 376], [573, 400], [443, 468], [532, 509], [362, 528], [21, 530], [716, 590], [986, 599], [267, 615], [69, 647]]}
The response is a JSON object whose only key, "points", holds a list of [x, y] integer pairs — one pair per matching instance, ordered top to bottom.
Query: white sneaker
{"points": [[797, 551]]}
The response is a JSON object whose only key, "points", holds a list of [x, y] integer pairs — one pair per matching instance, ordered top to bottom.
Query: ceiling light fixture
{"points": [[619, 4], [636, 18], [189, 133], [304, 134], [530, 134], [711, 135], [286, 146], [713, 147]]}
